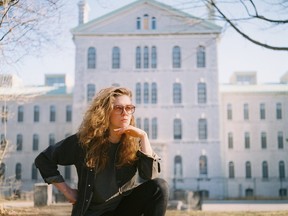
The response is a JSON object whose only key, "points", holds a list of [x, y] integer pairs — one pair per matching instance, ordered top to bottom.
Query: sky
{"points": [[234, 52]]}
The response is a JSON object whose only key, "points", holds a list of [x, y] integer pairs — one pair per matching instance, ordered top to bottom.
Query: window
{"points": [[146, 22], [138, 23], [153, 23], [138, 57], [146, 57], [153, 57], [176, 57], [201, 57], [91, 58], [116, 58], [90, 92], [138, 93], [146, 93], [154, 93], [177, 93], [201, 93], [246, 111], [262, 111], [278, 111], [229, 112], [52, 113], [68, 113], [36, 114], [4, 116], [20, 117], [138, 122], [146, 126], [154, 128], [177, 128], [202, 129], [2, 139], [51, 139], [230, 140], [247, 140], [263, 140], [280, 140], [19, 142], [35, 145], [203, 165], [178, 169], [231, 170], [248, 170], [281, 170], [2, 171], [18, 171], [34, 172], [67, 173], [265, 174], [249, 192], [283, 192]]}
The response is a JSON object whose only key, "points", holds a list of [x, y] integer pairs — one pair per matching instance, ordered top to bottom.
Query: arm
{"points": [[62, 153], [148, 163], [68, 192]]}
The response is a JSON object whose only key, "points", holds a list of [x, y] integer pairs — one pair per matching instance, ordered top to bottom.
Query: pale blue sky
{"points": [[234, 52]]}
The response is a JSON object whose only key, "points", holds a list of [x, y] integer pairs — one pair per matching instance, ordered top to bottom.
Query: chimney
{"points": [[211, 10], [83, 12]]}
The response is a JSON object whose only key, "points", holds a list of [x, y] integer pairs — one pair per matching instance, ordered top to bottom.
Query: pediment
{"points": [[168, 20]]}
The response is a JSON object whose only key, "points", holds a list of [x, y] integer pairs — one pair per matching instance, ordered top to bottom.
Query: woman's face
{"points": [[120, 116]]}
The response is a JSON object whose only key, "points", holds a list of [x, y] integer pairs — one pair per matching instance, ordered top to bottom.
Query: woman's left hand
{"points": [[131, 131]]}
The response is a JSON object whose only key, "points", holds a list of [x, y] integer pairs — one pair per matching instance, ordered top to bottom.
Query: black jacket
{"points": [[69, 152]]}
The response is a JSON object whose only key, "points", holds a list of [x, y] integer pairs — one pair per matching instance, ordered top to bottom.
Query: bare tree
{"points": [[244, 16], [26, 25]]}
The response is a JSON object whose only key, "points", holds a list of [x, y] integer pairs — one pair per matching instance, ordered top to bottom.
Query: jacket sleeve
{"points": [[62, 153], [148, 167]]}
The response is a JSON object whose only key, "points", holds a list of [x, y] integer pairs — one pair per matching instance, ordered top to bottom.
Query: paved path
{"points": [[270, 205]]}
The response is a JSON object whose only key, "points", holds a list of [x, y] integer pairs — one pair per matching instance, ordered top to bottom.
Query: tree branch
{"points": [[243, 34]]}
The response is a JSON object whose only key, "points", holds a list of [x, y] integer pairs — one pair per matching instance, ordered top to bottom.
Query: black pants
{"points": [[148, 199]]}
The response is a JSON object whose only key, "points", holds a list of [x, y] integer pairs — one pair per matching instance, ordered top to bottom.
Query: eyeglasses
{"points": [[119, 109]]}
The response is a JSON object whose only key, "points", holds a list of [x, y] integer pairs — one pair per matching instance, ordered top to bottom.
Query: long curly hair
{"points": [[93, 132]]}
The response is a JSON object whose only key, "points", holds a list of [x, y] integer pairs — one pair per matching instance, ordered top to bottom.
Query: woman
{"points": [[107, 151]]}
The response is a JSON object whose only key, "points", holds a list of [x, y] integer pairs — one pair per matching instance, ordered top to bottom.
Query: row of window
{"points": [[146, 22], [146, 57], [148, 93], [262, 111], [36, 113], [151, 128], [177, 128], [263, 140], [35, 141], [178, 167], [265, 170], [203, 171], [34, 172]]}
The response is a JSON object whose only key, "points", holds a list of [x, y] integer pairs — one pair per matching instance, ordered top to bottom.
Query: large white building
{"points": [[169, 60]]}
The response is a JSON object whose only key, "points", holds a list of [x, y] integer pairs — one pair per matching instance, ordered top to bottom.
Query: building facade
{"points": [[254, 137], [210, 140]]}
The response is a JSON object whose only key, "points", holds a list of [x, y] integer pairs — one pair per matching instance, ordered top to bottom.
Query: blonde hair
{"points": [[93, 132]]}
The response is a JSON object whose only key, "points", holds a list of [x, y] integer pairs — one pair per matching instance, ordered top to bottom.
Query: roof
{"points": [[209, 25], [260, 88]]}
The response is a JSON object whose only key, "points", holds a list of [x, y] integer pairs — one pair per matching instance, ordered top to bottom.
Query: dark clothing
{"points": [[70, 152], [148, 199]]}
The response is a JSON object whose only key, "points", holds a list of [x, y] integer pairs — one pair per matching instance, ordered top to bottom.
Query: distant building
{"points": [[32, 121], [254, 137]]}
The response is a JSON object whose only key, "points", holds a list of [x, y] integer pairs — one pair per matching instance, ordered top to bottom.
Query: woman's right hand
{"points": [[68, 192]]}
